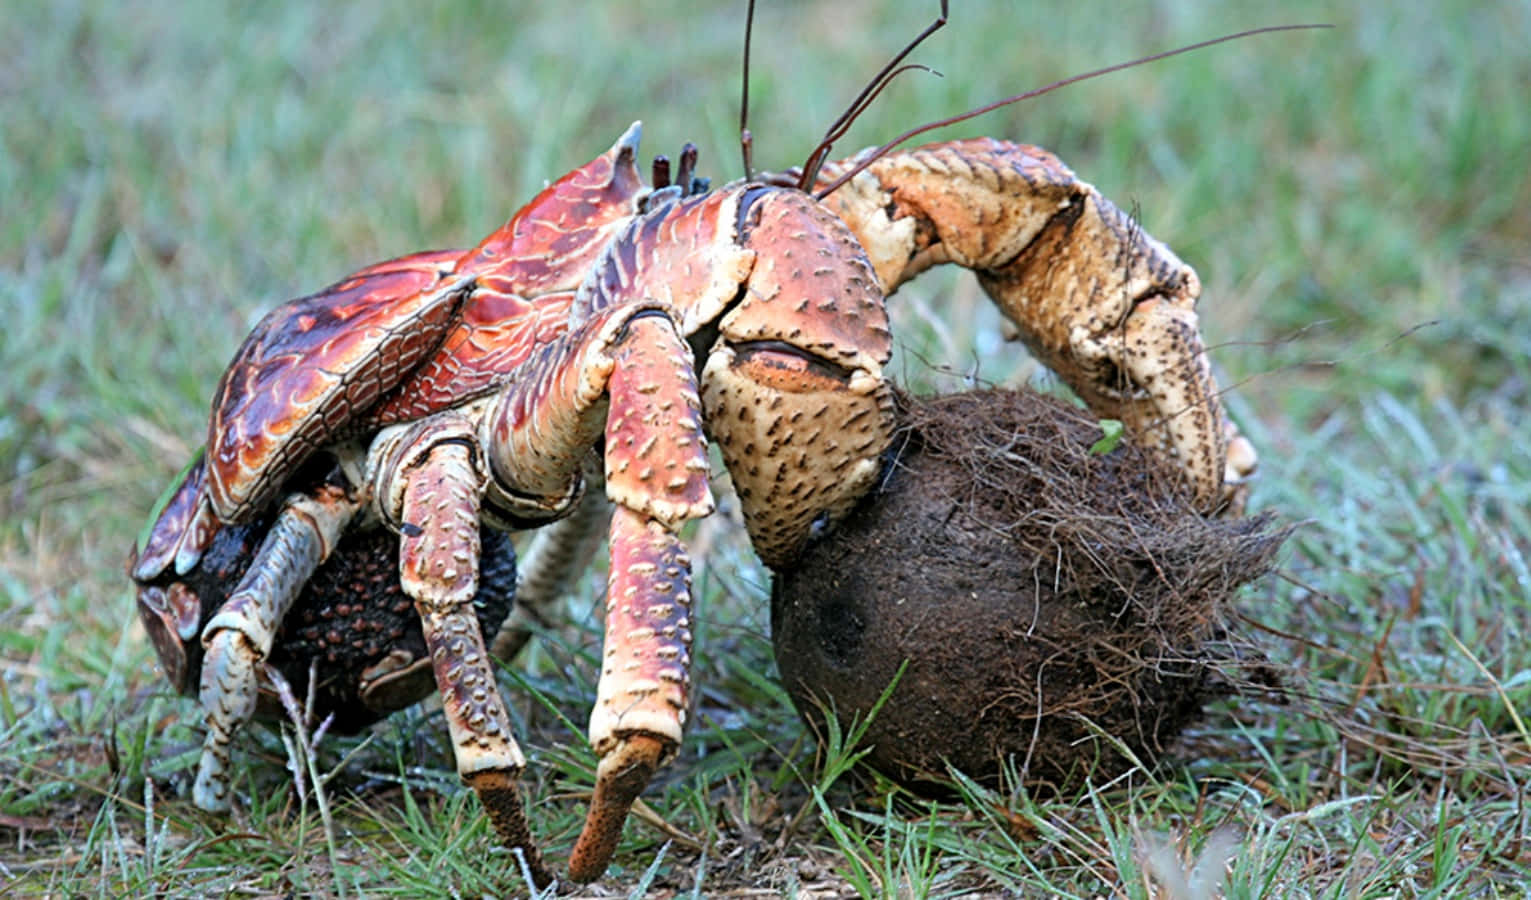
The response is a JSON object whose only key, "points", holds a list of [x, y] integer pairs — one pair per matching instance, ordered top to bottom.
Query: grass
{"points": [[1357, 202]]}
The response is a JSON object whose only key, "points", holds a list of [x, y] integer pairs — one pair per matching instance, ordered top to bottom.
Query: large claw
{"points": [[1097, 300]]}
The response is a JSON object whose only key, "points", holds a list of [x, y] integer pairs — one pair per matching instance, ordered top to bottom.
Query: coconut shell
{"points": [[1060, 609]]}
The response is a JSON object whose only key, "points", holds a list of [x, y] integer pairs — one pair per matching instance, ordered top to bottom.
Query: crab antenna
{"points": [[873, 87], [974, 113], [837, 133], [746, 140], [821, 152]]}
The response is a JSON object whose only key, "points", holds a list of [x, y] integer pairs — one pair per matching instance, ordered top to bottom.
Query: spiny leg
{"points": [[627, 375], [429, 479], [239, 636], [640, 705]]}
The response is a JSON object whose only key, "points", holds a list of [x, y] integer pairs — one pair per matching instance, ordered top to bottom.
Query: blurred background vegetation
{"points": [[1357, 202]]}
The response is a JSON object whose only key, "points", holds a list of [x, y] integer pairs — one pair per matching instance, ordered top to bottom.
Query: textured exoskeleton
{"points": [[445, 390]]}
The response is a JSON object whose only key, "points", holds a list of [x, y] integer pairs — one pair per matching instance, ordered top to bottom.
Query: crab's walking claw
{"points": [[1096, 299], [628, 378], [240, 635], [640, 707], [620, 778]]}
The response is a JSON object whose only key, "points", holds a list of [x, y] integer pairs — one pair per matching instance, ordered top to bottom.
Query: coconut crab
{"points": [[443, 391]]}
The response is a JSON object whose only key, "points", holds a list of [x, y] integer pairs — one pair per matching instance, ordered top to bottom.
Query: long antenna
{"points": [[872, 89], [973, 113], [746, 140], [821, 152]]}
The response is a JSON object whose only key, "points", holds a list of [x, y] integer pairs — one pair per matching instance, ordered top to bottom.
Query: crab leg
{"points": [[1107, 307], [626, 373], [429, 478], [182, 529], [239, 636], [640, 704]]}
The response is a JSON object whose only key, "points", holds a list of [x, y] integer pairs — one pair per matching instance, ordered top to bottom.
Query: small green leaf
{"points": [[1112, 431]]}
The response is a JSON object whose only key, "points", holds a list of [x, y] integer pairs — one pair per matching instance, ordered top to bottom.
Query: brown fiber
{"points": [[1060, 609]]}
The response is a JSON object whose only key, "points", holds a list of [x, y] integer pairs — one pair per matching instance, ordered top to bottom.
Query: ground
{"points": [[1357, 202]]}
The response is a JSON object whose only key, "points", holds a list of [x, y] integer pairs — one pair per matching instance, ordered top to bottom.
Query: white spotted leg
{"points": [[429, 479]]}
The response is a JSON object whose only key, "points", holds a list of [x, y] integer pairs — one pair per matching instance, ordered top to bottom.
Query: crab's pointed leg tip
{"points": [[621, 777], [501, 797]]}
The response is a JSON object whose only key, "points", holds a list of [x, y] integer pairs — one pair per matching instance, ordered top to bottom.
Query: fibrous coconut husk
{"points": [[1060, 609]]}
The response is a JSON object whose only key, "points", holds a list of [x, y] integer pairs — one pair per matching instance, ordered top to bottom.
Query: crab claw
{"points": [[1108, 308], [180, 529], [172, 617]]}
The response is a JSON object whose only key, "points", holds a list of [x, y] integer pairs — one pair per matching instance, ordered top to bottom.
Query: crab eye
{"points": [[660, 198]]}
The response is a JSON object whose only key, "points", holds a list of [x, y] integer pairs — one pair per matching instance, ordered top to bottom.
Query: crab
{"points": [[598, 342], [351, 630]]}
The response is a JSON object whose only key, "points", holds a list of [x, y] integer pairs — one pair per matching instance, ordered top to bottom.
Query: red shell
{"points": [[419, 333], [311, 366]]}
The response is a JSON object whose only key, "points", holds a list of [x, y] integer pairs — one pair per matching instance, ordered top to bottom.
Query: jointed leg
{"points": [[1104, 305], [628, 372], [431, 480], [240, 635], [640, 705]]}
